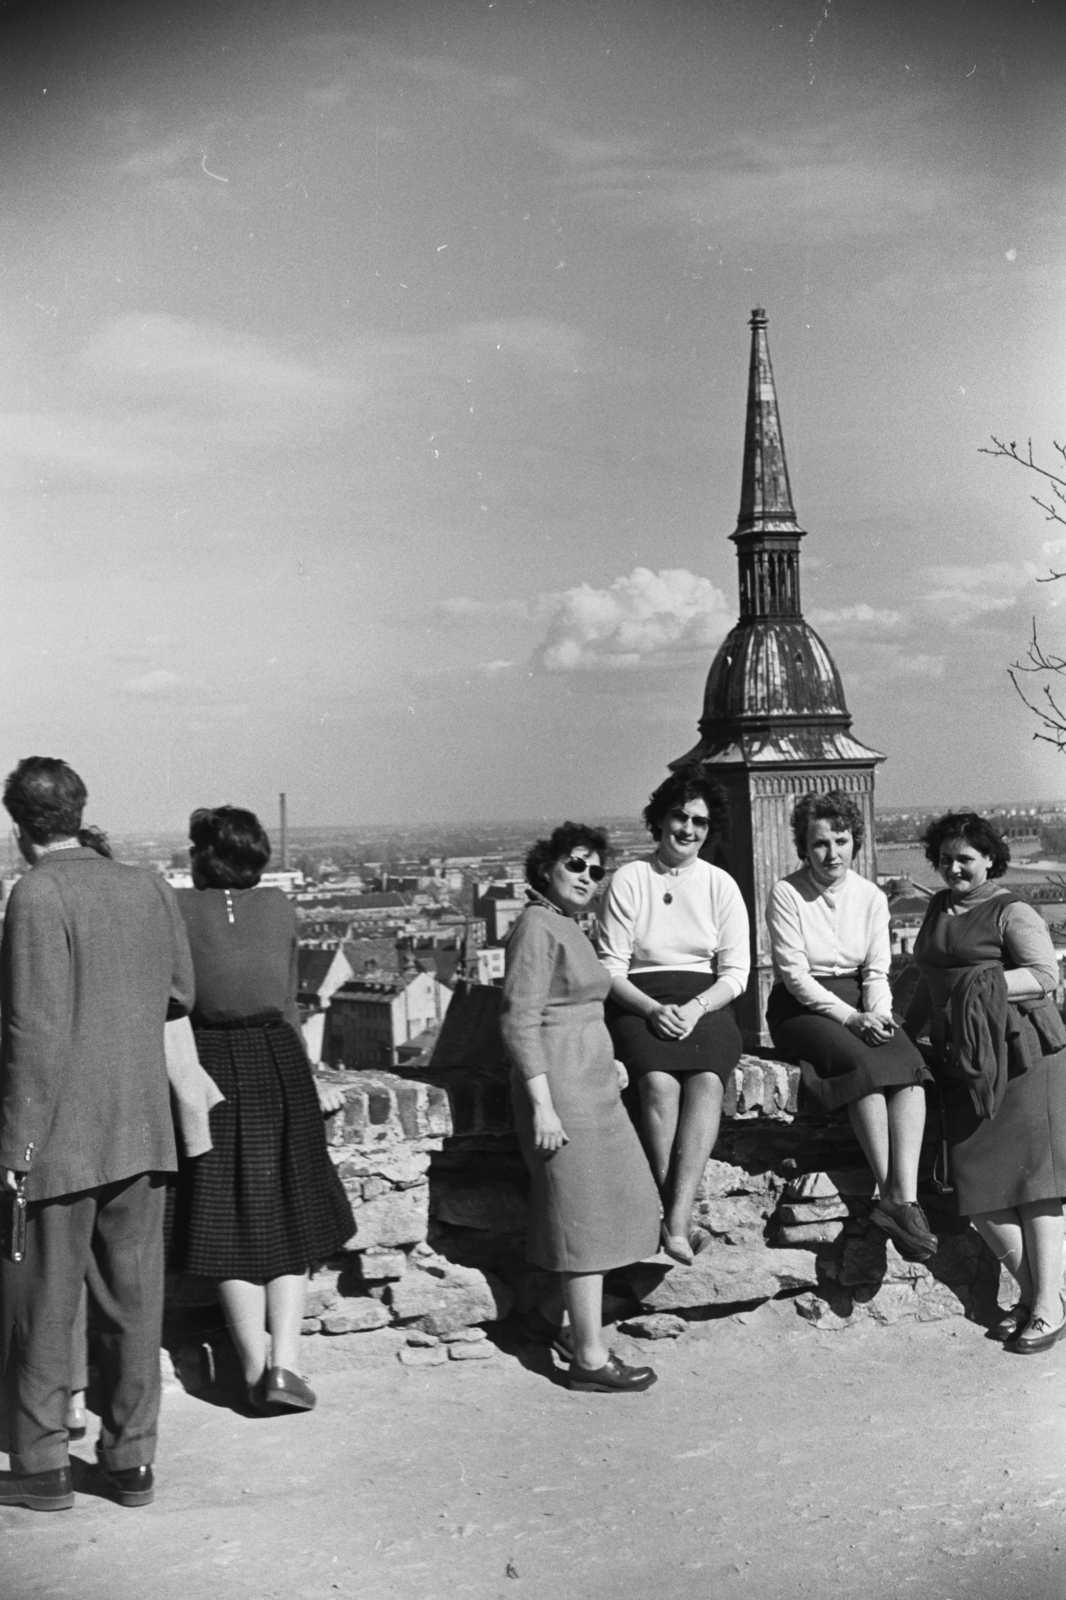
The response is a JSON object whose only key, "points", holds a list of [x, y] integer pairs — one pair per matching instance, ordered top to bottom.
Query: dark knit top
{"points": [[244, 950]]}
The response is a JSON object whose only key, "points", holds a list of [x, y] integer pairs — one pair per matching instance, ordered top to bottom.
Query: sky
{"points": [[372, 386]]}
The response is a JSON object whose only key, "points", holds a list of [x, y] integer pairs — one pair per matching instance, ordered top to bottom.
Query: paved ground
{"points": [[772, 1460]]}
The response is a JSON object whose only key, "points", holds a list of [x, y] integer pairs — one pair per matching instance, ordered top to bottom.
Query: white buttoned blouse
{"points": [[830, 933]]}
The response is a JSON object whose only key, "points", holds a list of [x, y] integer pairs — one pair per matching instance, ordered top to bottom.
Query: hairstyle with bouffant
{"points": [[688, 783], [45, 798], [835, 807], [978, 832], [566, 838], [230, 847]]}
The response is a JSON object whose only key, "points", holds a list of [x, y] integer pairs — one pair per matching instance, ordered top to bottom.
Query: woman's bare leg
{"points": [[660, 1105], [869, 1121], [906, 1125], [697, 1131], [1042, 1230], [1002, 1233], [583, 1292], [245, 1308], [284, 1314]]}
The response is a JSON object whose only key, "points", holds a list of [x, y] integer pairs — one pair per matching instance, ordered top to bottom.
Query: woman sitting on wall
{"points": [[673, 937], [988, 968], [831, 1008], [592, 1203], [265, 1204]]}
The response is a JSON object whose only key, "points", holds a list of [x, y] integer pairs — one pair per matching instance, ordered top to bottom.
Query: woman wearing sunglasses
{"points": [[673, 937], [592, 1203]]}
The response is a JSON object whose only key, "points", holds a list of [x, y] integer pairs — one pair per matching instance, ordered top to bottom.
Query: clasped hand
{"points": [[675, 1022], [871, 1028]]}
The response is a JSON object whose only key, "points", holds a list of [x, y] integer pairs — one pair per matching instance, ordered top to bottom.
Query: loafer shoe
{"points": [[906, 1224], [1011, 1322], [1039, 1335], [614, 1377], [284, 1388], [130, 1486], [39, 1491]]}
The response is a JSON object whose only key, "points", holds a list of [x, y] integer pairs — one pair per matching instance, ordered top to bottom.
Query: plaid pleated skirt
{"points": [[266, 1200]]}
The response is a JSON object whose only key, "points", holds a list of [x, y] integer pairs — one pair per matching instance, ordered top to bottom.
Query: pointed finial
{"points": [[765, 496]]}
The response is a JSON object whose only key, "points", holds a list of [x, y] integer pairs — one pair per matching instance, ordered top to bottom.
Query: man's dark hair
{"points": [[688, 783], [45, 798], [834, 807], [979, 834], [565, 839], [230, 847]]}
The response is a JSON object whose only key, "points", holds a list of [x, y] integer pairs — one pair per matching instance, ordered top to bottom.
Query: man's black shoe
{"points": [[132, 1486], [40, 1491]]}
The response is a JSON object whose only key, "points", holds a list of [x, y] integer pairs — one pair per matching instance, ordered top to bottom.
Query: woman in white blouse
{"points": [[673, 936], [831, 1008]]}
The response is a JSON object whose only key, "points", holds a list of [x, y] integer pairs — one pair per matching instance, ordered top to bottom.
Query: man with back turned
{"points": [[94, 957]]}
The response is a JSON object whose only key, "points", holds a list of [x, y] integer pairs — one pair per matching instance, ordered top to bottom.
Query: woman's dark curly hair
{"points": [[688, 783], [45, 798], [834, 807], [979, 834], [566, 838], [230, 847]]}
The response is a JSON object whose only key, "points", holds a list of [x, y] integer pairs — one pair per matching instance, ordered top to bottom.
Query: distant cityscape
{"points": [[393, 921]]}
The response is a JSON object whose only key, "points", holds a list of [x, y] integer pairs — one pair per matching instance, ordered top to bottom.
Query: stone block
{"points": [[723, 1178], [857, 1182], [371, 1188], [492, 1207], [798, 1212], [400, 1217], [735, 1217], [808, 1235], [378, 1265], [726, 1275], [322, 1291], [446, 1298], [819, 1312], [355, 1316], [311, 1325], [654, 1325], [462, 1336], [416, 1337], [471, 1352], [412, 1356]]}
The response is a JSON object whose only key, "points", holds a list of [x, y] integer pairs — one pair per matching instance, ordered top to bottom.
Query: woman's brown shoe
{"points": [[1011, 1322], [1039, 1335], [614, 1377], [284, 1388]]}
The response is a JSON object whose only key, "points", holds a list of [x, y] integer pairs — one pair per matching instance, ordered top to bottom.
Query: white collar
{"points": [[672, 872]]}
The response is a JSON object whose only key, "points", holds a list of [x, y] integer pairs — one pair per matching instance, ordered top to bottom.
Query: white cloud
{"points": [[174, 348], [960, 595], [461, 609], [859, 618], [648, 619], [489, 669], [152, 683]]}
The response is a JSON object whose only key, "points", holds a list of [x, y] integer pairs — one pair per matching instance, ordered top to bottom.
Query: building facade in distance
{"points": [[775, 723]]}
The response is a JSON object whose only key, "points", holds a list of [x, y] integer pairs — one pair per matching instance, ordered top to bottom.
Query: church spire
{"points": [[765, 495], [767, 534]]}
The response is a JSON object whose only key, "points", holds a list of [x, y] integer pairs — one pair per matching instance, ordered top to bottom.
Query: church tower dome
{"points": [[775, 722]]}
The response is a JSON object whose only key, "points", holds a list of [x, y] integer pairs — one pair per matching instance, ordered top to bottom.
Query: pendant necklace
{"points": [[229, 906]]}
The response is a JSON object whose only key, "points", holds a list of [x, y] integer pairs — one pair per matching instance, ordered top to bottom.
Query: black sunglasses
{"points": [[577, 865]]}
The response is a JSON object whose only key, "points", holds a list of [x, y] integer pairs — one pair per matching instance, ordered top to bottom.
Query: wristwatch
{"points": [[700, 999]]}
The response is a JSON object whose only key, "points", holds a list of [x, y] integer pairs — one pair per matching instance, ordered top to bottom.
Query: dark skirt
{"points": [[714, 1045], [836, 1067], [1019, 1155], [265, 1201]]}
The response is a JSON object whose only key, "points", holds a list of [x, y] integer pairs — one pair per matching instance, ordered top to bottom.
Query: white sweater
{"points": [[702, 928], [830, 933]]}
